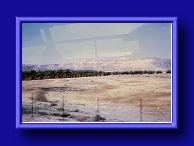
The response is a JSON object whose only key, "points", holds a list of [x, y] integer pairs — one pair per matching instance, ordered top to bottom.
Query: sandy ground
{"points": [[119, 99]]}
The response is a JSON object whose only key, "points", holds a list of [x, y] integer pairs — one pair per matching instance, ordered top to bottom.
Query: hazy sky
{"points": [[52, 43]]}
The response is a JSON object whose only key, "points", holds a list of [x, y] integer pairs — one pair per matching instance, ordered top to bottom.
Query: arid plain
{"points": [[118, 98]]}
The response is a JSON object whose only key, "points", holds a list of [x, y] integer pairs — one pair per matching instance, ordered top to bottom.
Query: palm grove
{"points": [[67, 73]]}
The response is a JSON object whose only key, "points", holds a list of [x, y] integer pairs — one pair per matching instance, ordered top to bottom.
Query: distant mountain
{"points": [[108, 65]]}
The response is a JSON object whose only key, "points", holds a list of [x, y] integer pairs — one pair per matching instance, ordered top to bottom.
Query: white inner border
{"points": [[122, 122]]}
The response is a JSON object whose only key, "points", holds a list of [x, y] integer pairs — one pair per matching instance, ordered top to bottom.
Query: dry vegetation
{"points": [[40, 96]]}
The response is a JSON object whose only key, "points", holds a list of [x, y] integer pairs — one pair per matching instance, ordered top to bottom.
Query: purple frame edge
{"points": [[173, 125]]}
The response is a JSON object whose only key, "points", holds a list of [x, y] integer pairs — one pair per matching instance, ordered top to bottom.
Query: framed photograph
{"points": [[96, 72]]}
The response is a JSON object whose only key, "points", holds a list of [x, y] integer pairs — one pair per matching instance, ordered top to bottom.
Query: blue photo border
{"points": [[172, 125]]}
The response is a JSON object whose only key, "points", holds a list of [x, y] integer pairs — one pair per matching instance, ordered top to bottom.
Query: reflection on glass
{"points": [[55, 43]]}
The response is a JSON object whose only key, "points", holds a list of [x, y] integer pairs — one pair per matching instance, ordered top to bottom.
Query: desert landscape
{"points": [[96, 72], [112, 98]]}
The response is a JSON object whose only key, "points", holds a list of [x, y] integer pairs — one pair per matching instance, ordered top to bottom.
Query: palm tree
{"points": [[59, 73], [32, 74]]}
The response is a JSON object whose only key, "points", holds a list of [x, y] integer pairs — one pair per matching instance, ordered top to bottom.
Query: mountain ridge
{"points": [[107, 65]]}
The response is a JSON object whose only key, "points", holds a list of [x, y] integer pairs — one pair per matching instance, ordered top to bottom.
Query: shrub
{"points": [[145, 71], [168, 71], [131, 72], [136, 72], [140, 72], [151, 72], [159, 72], [108, 73], [33, 77], [40, 96], [53, 104], [60, 109], [77, 110], [26, 111], [42, 113], [56, 114], [64, 115], [71, 116], [80, 118], [99, 118]]}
